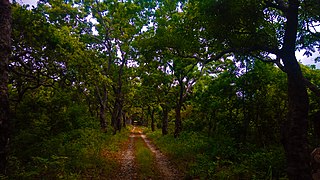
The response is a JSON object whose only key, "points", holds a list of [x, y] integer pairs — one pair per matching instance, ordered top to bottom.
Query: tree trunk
{"points": [[5, 48], [102, 96], [90, 109], [116, 114], [102, 116], [115, 118], [124, 118], [147, 118], [246, 119], [152, 120], [165, 120], [142, 122], [119, 123], [212, 123], [178, 124], [316, 126], [294, 131]]}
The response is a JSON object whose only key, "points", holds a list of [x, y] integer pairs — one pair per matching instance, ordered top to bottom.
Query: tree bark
{"points": [[5, 49], [102, 96], [118, 105], [117, 111], [102, 116], [124, 118], [114, 119], [246, 119], [142, 120], [152, 120], [165, 120], [178, 123], [212, 123], [294, 130]]}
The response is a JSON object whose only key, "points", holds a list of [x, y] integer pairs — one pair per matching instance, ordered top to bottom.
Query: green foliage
{"points": [[72, 60], [240, 100], [57, 138], [69, 155], [219, 157]]}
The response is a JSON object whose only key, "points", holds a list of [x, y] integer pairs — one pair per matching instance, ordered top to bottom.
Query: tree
{"points": [[117, 25], [260, 28], [167, 41], [5, 49], [43, 52], [185, 75], [313, 75], [146, 95], [262, 102]]}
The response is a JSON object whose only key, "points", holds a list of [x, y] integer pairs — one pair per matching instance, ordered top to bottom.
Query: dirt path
{"points": [[163, 164], [129, 167]]}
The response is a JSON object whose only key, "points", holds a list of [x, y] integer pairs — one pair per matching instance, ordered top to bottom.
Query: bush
{"points": [[68, 155], [219, 157]]}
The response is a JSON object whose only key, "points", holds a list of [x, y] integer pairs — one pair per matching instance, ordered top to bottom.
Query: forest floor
{"points": [[139, 158]]}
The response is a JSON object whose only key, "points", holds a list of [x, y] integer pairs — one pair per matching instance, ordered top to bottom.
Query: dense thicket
{"points": [[5, 43], [224, 72]]}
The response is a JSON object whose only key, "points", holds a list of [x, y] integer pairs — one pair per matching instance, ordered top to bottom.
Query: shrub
{"points": [[68, 155], [219, 157]]}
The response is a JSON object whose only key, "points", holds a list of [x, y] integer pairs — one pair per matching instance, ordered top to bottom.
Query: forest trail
{"points": [[163, 168]]}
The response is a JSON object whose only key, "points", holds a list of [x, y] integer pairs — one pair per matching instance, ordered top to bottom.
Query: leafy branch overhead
{"points": [[217, 81]]}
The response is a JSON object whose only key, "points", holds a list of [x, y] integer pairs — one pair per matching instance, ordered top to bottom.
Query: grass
{"points": [[81, 153], [219, 157], [145, 160], [101, 163]]}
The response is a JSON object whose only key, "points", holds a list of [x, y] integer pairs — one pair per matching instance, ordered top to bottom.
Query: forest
{"points": [[208, 89]]}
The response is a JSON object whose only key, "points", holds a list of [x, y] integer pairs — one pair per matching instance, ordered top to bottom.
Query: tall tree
{"points": [[117, 25], [261, 28], [170, 40], [5, 49], [43, 52], [185, 74]]}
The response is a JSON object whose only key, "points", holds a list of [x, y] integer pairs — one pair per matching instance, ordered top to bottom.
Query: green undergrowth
{"points": [[77, 154], [219, 157], [145, 160]]}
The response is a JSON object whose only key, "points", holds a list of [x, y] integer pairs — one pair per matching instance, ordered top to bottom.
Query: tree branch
{"points": [[314, 34], [275, 61], [280, 65], [315, 89]]}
